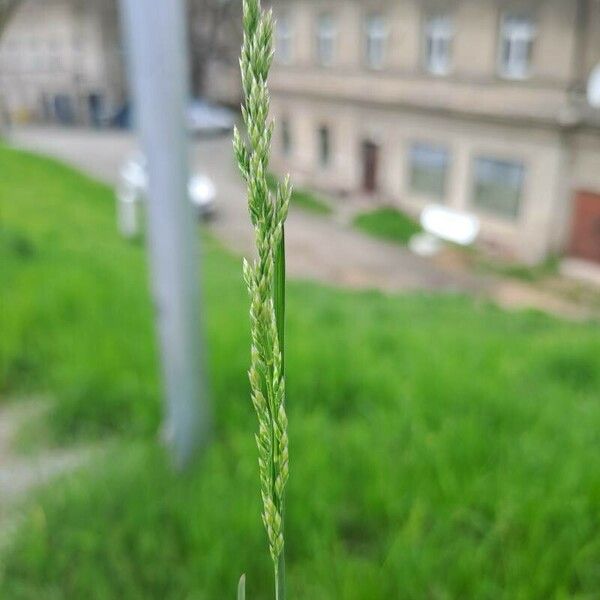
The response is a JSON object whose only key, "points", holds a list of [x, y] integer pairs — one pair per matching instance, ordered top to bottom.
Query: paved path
{"points": [[317, 248], [20, 473]]}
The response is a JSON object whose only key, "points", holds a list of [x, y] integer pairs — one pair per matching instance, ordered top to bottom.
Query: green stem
{"points": [[279, 295], [279, 302], [280, 578]]}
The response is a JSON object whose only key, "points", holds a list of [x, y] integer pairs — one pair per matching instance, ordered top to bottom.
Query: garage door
{"points": [[585, 238]]}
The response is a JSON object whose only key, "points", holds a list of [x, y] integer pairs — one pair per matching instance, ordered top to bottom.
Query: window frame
{"points": [[328, 35], [373, 36], [440, 36], [284, 58], [505, 70], [431, 145], [324, 158], [492, 212]]}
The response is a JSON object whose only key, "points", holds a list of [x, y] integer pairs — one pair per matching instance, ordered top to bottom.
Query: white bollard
{"points": [[128, 214]]}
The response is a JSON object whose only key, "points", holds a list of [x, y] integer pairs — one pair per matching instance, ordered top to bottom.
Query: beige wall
{"points": [[477, 24], [592, 41], [476, 43], [555, 43], [58, 47], [36, 52], [472, 87], [527, 103], [473, 111], [586, 161], [529, 238]]}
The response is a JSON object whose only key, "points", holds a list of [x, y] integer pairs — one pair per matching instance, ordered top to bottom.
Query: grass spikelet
{"points": [[265, 279]]}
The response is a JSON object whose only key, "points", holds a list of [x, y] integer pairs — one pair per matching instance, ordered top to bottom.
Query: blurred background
{"points": [[443, 321]]}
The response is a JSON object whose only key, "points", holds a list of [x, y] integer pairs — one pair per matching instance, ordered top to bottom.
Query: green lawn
{"points": [[303, 198], [388, 224], [529, 274], [440, 447]]}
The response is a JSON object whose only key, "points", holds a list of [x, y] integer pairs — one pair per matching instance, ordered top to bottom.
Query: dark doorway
{"points": [[95, 104], [46, 108], [63, 109], [370, 154], [585, 237]]}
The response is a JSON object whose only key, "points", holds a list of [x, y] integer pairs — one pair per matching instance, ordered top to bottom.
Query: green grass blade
{"points": [[279, 295], [279, 302], [241, 595]]}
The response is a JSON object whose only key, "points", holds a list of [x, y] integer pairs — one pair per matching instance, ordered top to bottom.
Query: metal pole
{"points": [[157, 52]]}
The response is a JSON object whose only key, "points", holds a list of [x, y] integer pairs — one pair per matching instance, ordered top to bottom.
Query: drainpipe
{"points": [[578, 81]]}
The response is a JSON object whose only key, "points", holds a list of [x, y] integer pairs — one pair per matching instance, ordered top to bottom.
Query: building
{"points": [[215, 36], [61, 60], [476, 104]]}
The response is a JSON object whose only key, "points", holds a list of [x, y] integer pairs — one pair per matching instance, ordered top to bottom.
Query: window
{"points": [[439, 33], [326, 35], [284, 40], [376, 41], [77, 43], [516, 46], [54, 62], [286, 137], [324, 146], [428, 168], [498, 186]]}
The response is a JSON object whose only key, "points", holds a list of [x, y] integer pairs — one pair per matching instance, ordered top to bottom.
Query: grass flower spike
{"points": [[265, 279]]}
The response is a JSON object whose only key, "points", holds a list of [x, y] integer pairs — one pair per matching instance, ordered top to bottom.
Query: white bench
{"points": [[441, 223]]}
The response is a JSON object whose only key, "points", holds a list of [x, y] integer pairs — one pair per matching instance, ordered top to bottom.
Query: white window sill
{"points": [[514, 76]]}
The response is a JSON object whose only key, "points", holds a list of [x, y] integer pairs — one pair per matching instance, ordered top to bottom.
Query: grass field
{"points": [[303, 198], [388, 224], [529, 274], [440, 447]]}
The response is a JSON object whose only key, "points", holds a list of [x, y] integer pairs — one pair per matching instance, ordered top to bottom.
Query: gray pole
{"points": [[156, 36]]}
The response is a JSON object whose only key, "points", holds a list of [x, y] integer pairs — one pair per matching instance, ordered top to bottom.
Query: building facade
{"points": [[64, 60], [61, 61], [475, 104]]}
